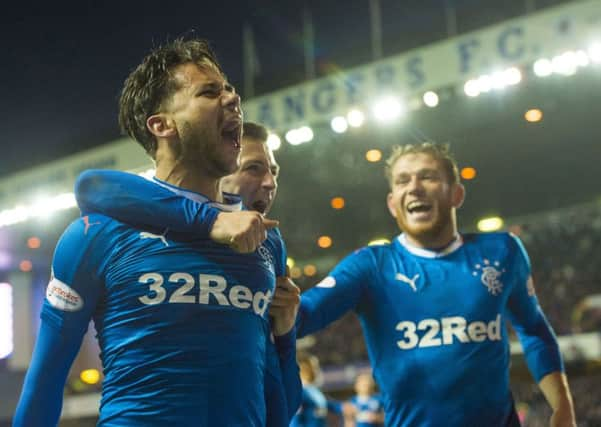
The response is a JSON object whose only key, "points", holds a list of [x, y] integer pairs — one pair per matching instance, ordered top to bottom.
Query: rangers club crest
{"points": [[267, 257], [489, 276]]}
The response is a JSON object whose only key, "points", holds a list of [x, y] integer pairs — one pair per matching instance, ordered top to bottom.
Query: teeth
{"points": [[417, 205]]}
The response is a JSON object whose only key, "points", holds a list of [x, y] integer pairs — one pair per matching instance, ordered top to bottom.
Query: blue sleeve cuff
{"points": [[286, 343], [544, 361]]}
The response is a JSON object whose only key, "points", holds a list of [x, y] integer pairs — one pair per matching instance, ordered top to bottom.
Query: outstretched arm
{"points": [[137, 201], [140, 202], [335, 295]]}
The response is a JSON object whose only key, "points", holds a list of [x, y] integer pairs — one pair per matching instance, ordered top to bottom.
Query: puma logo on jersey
{"points": [[88, 224], [148, 235], [411, 282], [446, 331]]}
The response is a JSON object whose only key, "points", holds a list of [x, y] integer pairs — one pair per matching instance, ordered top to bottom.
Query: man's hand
{"points": [[243, 231], [284, 306], [557, 392], [563, 416]]}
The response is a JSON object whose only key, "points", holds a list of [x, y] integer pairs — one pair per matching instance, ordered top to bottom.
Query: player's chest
{"points": [[155, 271], [444, 287]]}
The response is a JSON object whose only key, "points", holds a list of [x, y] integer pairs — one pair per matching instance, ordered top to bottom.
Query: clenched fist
{"points": [[243, 231], [284, 306]]}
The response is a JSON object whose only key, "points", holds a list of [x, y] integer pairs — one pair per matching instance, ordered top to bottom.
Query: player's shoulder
{"points": [[87, 226], [90, 229], [503, 238], [84, 239], [501, 243], [375, 250], [374, 253]]}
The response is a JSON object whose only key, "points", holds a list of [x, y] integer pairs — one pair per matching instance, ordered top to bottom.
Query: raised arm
{"points": [[135, 200], [140, 202], [338, 293], [71, 297]]}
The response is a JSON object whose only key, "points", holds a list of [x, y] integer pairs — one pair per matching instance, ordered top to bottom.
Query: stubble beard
{"points": [[200, 150], [427, 232]]}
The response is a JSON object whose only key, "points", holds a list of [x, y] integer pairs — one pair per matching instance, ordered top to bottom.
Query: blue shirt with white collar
{"points": [[182, 323], [434, 325]]}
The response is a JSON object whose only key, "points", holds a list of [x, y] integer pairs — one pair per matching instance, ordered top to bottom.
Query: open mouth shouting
{"points": [[232, 132], [261, 205], [419, 210]]}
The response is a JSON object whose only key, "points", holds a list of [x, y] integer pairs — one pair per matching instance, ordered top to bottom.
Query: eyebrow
{"points": [[209, 85], [213, 85], [420, 171]]}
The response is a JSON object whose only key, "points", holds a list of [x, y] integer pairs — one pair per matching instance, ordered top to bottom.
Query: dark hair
{"points": [[151, 84], [255, 131], [440, 152]]}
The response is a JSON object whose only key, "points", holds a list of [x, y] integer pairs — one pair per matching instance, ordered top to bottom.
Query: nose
{"points": [[231, 101], [269, 181], [415, 185]]}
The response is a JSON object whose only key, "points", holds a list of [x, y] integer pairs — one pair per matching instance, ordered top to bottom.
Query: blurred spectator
{"points": [[366, 409]]}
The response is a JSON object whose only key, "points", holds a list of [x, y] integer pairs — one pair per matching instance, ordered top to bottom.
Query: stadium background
{"points": [[302, 67]]}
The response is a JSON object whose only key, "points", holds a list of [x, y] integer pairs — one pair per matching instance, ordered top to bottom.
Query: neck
{"points": [[194, 178], [438, 240]]}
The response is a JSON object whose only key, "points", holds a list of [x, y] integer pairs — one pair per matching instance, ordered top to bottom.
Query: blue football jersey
{"points": [[143, 203], [181, 321], [434, 324], [367, 408], [313, 411]]}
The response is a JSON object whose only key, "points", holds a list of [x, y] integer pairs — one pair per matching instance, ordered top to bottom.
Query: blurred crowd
{"points": [[565, 250], [534, 411]]}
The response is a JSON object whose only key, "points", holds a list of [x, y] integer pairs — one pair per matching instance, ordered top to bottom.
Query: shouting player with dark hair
{"points": [[182, 321]]}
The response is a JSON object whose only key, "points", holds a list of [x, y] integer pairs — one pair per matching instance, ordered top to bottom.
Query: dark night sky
{"points": [[63, 62], [63, 65], [62, 69]]}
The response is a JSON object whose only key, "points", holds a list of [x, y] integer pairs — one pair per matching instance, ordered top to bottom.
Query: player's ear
{"points": [[161, 126], [458, 194], [391, 205]]}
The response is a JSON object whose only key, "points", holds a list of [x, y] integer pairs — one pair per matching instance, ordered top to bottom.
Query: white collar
{"points": [[233, 202], [428, 253]]}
